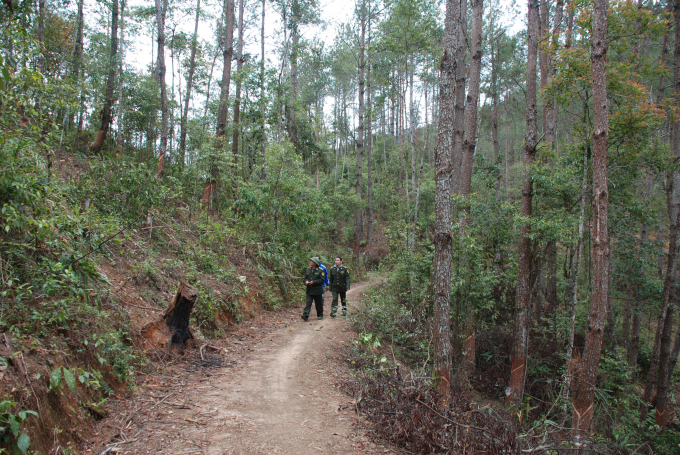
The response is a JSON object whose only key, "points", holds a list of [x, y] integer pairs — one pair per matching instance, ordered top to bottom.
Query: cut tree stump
{"points": [[172, 331]]}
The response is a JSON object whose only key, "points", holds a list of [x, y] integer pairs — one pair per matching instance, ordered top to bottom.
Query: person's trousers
{"points": [[343, 299], [317, 303]]}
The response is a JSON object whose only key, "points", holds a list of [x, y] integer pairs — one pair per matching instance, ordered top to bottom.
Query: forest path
{"points": [[281, 397]]}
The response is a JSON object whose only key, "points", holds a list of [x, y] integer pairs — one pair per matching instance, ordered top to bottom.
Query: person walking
{"points": [[314, 279], [340, 284], [324, 286]]}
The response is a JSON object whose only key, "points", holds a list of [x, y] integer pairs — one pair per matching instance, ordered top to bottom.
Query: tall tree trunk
{"points": [[161, 8], [42, 10], [570, 26], [543, 30], [295, 43], [227, 53], [77, 68], [190, 83], [237, 101], [471, 101], [494, 105], [459, 107], [549, 112], [107, 117], [119, 119], [549, 119], [263, 137], [412, 142], [469, 144], [369, 149], [358, 222], [442, 228], [674, 243], [551, 277], [573, 288], [523, 293], [668, 295], [637, 308], [635, 337], [674, 355], [586, 371]]}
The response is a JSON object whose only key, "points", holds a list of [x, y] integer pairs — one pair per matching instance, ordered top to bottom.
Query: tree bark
{"points": [[161, 8], [570, 26], [40, 32], [295, 40], [227, 53], [77, 68], [190, 83], [237, 101], [471, 101], [459, 106], [549, 112], [106, 114], [495, 117], [119, 119], [549, 119], [263, 137], [412, 142], [470, 142], [369, 149], [358, 222], [442, 227], [674, 244], [574, 275], [523, 293], [668, 295], [172, 331], [674, 355], [586, 372]]}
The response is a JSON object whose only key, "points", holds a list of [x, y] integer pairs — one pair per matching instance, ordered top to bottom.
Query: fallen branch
{"points": [[164, 398], [453, 421]]}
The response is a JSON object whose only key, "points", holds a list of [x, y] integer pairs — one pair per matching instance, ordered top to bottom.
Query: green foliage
{"points": [[125, 189], [211, 306], [113, 348], [62, 377], [11, 425]]}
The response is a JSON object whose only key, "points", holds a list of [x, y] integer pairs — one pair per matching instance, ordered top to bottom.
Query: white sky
{"points": [[333, 14]]}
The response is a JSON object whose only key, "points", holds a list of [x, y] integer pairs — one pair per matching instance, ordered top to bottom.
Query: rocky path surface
{"points": [[274, 390]]}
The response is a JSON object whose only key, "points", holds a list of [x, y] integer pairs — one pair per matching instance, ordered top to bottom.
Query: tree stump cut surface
{"points": [[172, 331]]}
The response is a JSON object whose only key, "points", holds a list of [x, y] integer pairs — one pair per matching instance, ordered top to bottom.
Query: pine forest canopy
{"points": [[512, 171]]}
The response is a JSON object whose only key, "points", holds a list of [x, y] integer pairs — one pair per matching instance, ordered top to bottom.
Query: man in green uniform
{"points": [[314, 279], [339, 283]]}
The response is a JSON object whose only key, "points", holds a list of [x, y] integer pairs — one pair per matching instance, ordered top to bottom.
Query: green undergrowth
{"points": [[75, 252], [394, 352]]}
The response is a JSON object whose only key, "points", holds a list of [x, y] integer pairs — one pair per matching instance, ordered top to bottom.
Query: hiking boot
{"points": [[304, 318], [320, 318]]}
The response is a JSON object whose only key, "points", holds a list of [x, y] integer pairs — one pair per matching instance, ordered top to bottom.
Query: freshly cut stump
{"points": [[172, 331]]}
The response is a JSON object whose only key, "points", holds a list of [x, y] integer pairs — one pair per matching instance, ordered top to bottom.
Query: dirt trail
{"points": [[274, 393]]}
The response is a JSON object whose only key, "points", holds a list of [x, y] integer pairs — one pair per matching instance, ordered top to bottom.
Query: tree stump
{"points": [[172, 331]]}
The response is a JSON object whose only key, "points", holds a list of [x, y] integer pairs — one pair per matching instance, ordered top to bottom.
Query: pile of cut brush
{"points": [[409, 413]]}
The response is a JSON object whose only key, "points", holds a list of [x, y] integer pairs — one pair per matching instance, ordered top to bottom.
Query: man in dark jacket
{"points": [[314, 279], [340, 283]]}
